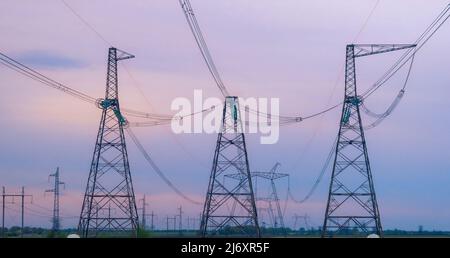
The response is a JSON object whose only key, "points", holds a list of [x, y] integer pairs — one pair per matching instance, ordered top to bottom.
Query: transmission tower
{"points": [[272, 175], [109, 183], [272, 198], [352, 203], [230, 206], [144, 214], [55, 219], [305, 219], [180, 221], [152, 225]]}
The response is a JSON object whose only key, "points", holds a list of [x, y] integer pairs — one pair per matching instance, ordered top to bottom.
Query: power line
{"points": [[366, 21], [85, 22], [197, 33], [203, 47], [409, 53], [402, 61], [21, 68], [37, 76], [134, 81], [380, 117], [168, 121], [158, 171], [318, 179], [22, 197]]}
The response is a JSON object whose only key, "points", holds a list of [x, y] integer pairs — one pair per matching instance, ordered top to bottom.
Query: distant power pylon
{"points": [[272, 175], [109, 183], [272, 199], [352, 203], [230, 206], [144, 214], [55, 219], [174, 219], [305, 219], [180, 221], [152, 225]]}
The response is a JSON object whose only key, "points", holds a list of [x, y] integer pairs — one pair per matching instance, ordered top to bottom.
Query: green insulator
{"points": [[235, 113], [346, 115]]}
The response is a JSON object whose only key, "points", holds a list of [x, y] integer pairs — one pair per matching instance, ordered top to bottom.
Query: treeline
{"points": [[15, 232]]}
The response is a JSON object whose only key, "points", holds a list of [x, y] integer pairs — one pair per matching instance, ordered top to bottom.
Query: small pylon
{"points": [[56, 191], [266, 203], [276, 218]]}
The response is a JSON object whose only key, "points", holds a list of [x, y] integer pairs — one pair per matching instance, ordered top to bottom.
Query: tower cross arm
{"points": [[373, 49], [122, 55], [268, 175]]}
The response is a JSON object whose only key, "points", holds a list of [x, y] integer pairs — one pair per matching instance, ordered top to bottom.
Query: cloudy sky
{"points": [[290, 49]]}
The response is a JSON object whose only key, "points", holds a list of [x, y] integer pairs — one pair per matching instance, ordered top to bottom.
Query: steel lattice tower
{"points": [[109, 184], [272, 198], [352, 203], [230, 207], [277, 219], [55, 220]]}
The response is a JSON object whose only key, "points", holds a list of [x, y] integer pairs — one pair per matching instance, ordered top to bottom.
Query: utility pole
{"points": [[230, 157], [109, 181], [22, 197], [352, 202], [23, 210], [3, 212], [144, 214], [55, 220], [167, 223], [174, 223], [180, 223], [152, 225]]}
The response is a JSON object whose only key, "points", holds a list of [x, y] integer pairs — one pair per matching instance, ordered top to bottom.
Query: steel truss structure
{"points": [[109, 185], [269, 203], [352, 205], [230, 207]]}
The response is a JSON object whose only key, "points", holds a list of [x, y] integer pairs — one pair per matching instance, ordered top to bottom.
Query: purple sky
{"points": [[293, 50]]}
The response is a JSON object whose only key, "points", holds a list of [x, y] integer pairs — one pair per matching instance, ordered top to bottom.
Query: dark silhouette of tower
{"points": [[109, 184], [272, 199], [269, 200], [352, 204], [230, 207], [144, 214], [55, 219]]}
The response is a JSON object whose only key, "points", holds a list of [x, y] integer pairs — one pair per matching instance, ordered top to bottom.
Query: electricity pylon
{"points": [[272, 175], [109, 184], [352, 204], [230, 207], [144, 214], [276, 218], [55, 219], [305, 219]]}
